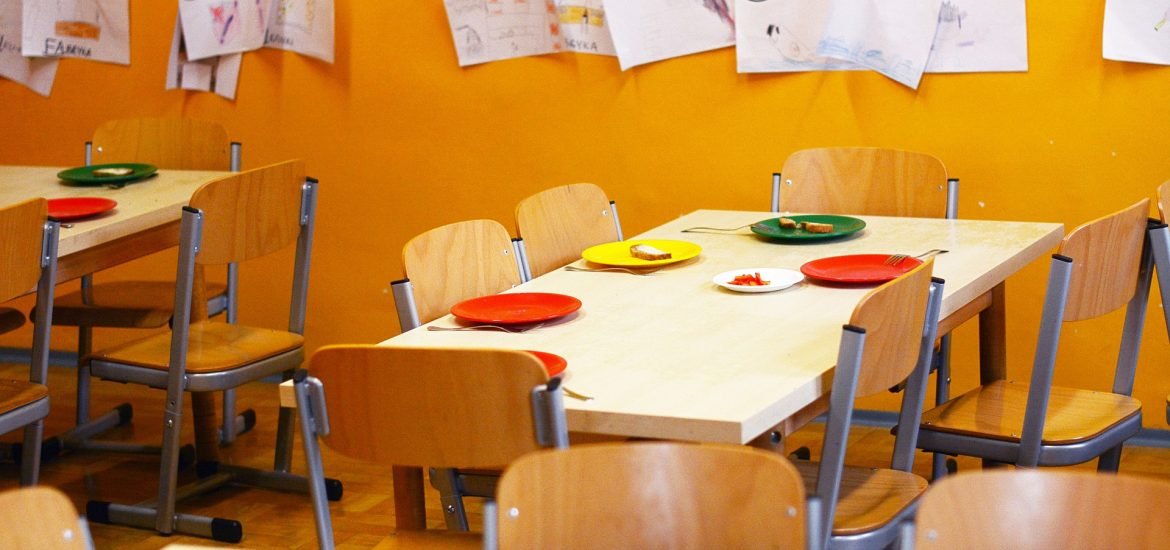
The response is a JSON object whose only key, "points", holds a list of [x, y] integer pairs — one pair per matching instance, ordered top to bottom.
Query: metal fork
{"points": [[701, 229], [896, 259], [622, 269], [513, 330], [574, 394]]}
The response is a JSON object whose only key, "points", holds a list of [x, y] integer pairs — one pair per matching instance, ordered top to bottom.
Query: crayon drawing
{"points": [[1137, 30]]}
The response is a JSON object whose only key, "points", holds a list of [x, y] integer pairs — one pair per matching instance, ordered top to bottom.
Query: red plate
{"points": [[75, 208], [857, 268], [515, 308], [553, 363]]}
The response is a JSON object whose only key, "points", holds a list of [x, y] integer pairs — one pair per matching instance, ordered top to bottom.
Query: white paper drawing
{"points": [[302, 26], [220, 27], [584, 27], [98, 30], [491, 30], [1137, 30], [645, 31], [782, 36], [980, 36], [892, 37], [35, 73], [219, 74]]}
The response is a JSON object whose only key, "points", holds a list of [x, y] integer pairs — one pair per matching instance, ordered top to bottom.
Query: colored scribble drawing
{"points": [[720, 8], [297, 13], [224, 16], [1165, 16], [79, 19], [584, 27]]}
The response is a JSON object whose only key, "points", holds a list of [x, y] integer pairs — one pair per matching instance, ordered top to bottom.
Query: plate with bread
{"points": [[100, 174], [811, 227], [641, 252], [758, 279]]}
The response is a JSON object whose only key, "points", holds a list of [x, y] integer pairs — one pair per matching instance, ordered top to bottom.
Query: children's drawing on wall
{"points": [[302, 26], [220, 27], [584, 27], [98, 30], [491, 30], [652, 30], [1137, 30], [782, 36], [980, 36], [892, 37], [34, 73], [219, 74]]}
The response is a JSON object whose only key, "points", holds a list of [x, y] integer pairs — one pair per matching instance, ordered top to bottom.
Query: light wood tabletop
{"points": [[145, 220], [673, 356]]}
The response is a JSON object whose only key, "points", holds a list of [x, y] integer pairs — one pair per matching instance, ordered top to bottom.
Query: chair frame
{"points": [[308, 397], [31, 416], [840, 418], [1031, 450], [160, 514]]}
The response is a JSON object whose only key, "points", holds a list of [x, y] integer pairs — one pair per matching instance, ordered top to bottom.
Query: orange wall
{"points": [[402, 140]]}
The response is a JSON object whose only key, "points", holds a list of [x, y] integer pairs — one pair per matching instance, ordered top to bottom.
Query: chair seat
{"points": [[123, 304], [10, 319], [213, 347], [15, 394], [996, 411], [870, 497], [429, 539]]}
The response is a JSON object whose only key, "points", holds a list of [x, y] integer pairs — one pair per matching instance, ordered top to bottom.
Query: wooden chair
{"points": [[175, 143], [864, 180], [877, 182], [233, 219], [556, 224], [1160, 244], [28, 260], [452, 263], [1101, 266], [889, 339], [447, 408], [650, 495], [1043, 509], [41, 517]]}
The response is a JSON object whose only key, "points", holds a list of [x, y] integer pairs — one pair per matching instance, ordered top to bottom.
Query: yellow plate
{"points": [[618, 253]]}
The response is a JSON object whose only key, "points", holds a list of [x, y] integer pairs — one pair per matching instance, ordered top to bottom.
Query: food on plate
{"points": [[112, 172], [788, 223], [813, 227], [647, 252], [749, 279]]}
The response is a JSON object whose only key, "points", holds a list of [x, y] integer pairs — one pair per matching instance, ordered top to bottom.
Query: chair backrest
{"points": [[178, 143], [864, 180], [244, 216], [557, 224], [22, 225], [1106, 253], [456, 262], [890, 339], [437, 407], [651, 495], [1043, 509], [41, 517]]}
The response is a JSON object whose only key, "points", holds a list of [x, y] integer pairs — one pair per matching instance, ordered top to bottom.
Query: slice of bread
{"points": [[112, 172], [787, 223], [813, 227], [647, 252]]}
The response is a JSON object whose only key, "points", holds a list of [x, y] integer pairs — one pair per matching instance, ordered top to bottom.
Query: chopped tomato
{"points": [[749, 280]]}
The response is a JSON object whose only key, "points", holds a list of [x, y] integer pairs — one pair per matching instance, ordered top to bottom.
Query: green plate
{"points": [[85, 174], [842, 226]]}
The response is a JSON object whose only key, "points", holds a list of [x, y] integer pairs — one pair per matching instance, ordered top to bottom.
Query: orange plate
{"points": [[75, 208], [857, 268], [516, 308], [553, 363]]}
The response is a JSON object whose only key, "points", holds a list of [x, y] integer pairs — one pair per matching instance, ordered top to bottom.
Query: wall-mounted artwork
{"points": [[302, 26], [219, 27], [584, 27], [97, 30], [491, 30], [652, 30], [1137, 30], [782, 36], [980, 36], [892, 37], [35, 73], [219, 74]]}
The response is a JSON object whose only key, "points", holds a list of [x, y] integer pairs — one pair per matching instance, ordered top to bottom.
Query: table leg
{"points": [[993, 337], [410, 512]]}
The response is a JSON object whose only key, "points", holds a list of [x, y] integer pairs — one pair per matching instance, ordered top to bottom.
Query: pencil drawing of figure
{"points": [[719, 7], [789, 45]]}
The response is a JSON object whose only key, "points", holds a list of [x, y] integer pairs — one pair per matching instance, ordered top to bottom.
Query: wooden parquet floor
{"points": [[364, 518]]}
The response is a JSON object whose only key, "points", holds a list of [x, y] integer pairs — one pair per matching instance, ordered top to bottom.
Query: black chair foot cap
{"points": [[125, 413], [249, 420], [186, 456], [206, 469], [333, 489], [97, 511], [226, 530]]}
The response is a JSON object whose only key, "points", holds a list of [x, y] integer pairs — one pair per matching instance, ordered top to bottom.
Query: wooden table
{"points": [[145, 221], [672, 356]]}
